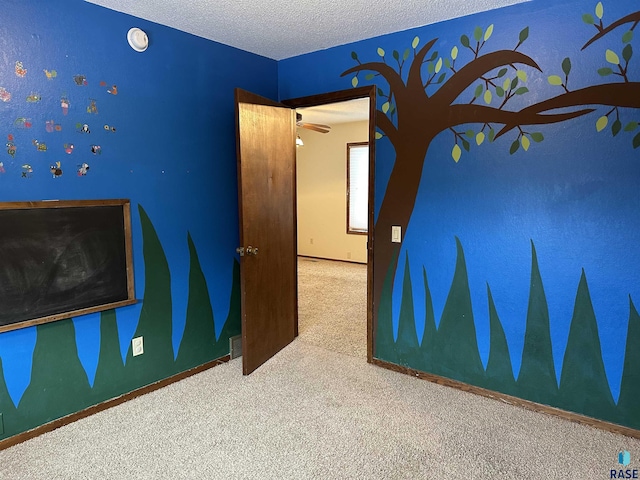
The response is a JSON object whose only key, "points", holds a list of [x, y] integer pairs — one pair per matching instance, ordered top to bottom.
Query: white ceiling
{"points": [[280, 29]]}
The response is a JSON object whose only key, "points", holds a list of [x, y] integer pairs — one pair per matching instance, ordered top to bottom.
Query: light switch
{"points": [[396, 234]]}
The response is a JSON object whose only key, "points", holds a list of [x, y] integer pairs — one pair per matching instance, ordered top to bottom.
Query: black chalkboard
{"points": [[62, 259]]}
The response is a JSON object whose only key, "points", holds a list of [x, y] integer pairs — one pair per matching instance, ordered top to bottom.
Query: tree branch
{"points": [[631, 18], [475, 69], [390, 75], [414, 80], [610, 94], [471, 113], [388, 128]]}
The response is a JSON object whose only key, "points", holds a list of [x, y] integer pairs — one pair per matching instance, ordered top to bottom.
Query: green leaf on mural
{"points": [[599, 10], [588, 19], [488, 33], [477, 34], [524, 34], [627, 37], [464, 40], [416, 41], [380, 52], [454, 52], [627, 52], [406, 54], [354, 55], [396, 55], [433, 56], [612, 57], [447, 63], [438, 65], [566, 66], [431, 68], [605, 71], [502, 72], [522, 75], [369, 76], [441, 78], [554, 80], [354, 81], [514, 83], [506, 85], [479, 90], [521, 91], [380, 92], [500, 92], [488, 96], [385, 107], [392, 109], [602, 123], [631, 126], [616, 127], [470, 133], [379, 135], [492, 135], [537, 137], [480, 138], [636, 141], [526, 143], [466, 145], [514, 147], [456, 152]]}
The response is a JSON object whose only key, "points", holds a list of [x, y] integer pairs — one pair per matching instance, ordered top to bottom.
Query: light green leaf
{"points": [[599, 10], [588, 19], [488, 32], [477, 33], [524, 34], [627, 37], [464, 40], [415, 42], [380, 52], [454, 52], [627, 52], [406, 54], [612, 57], [447, 63], [439, 65], [566, 66], [431, 68], [605, 71], [502, 72], [522, 75], [369, 76], [554, 80], [354, 82], [506, 85], [479, 90], [521, 91], [500, 92], [488, 97], [385, 107], [601, 123], [631, 126], [616, 127], [470, 133], [379, 135], [537, 137], [479, 138], [636, 141], [525, 143], [514, 147], [456, 152]]}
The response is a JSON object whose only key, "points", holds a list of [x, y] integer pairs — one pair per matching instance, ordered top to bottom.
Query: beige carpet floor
{"points": [[315, 412]]}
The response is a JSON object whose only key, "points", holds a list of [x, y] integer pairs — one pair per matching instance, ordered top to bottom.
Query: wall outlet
{"points": [[396, 234], [137, 346]]}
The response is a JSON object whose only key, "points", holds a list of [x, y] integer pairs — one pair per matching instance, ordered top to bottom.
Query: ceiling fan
{"points": [[316, 127]]}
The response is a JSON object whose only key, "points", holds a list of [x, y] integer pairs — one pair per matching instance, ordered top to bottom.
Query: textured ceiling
{"points": [[280, 29]]}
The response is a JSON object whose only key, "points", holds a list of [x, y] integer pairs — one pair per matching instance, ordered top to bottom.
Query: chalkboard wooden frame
{"points": [[91, 220]]}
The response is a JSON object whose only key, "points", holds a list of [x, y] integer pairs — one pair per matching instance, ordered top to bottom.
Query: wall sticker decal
{"points": [[20, 70]]}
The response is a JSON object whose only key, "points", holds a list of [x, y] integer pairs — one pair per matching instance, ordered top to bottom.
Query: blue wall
{"points": [[173, 151], [574, 195]]}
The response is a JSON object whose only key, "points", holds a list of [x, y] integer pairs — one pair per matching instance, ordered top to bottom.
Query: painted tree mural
{"points": [[428, 93]]}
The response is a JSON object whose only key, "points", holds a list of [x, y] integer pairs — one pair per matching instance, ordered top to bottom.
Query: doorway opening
{"points": [[334, 260]]}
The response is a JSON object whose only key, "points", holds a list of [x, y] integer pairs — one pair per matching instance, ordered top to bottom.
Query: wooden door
{"points": [[266, 198]]}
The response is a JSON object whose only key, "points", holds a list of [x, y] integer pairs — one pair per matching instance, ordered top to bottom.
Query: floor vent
{"points": [[235, 346]]}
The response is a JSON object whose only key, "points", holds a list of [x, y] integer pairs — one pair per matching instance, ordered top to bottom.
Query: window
{"points": [[357, 188]]}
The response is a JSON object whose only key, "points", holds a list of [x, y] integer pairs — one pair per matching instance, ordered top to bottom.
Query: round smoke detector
{"points": [[137, 39]]}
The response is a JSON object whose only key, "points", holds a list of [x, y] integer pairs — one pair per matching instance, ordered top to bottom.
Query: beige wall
{"points": [[322, 194]]}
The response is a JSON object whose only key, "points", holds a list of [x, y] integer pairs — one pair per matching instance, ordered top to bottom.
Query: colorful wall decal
{"points": [[20, 70], [50, 74], [80, 80], [113, 90], [5, 96], [64, 104], [93, 107], [22, 122], [40, 146], [68, 148], [96, 149], [83, 169], [2, 170], [27, 170], [56, 170]]}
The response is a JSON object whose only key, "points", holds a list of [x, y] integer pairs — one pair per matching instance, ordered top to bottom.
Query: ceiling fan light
{"points": [[299, 142]]}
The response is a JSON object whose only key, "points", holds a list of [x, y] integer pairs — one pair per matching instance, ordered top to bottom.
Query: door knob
{"points": [[252, 250], [240, 251]]}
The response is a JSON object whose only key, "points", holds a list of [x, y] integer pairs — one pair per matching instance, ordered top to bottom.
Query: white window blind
{"points": [[357, 187]]}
